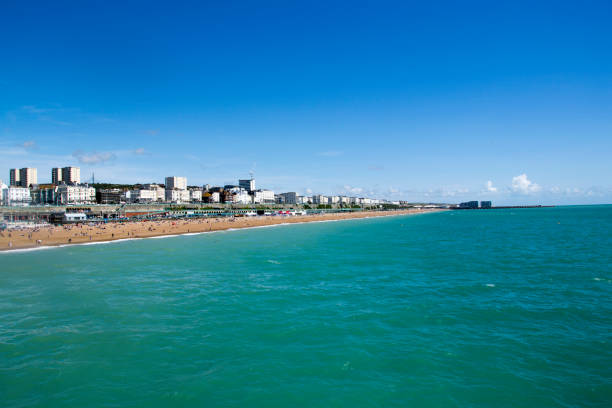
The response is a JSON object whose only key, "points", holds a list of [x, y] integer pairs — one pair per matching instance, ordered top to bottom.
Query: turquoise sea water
{"points": [[500, 308]]}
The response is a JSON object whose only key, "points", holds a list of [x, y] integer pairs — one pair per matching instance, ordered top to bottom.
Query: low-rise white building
{"points": [[75, 194], [195, 194], [13, 195], [177, 196], [213, 197], [241, 197], [263, 197]]}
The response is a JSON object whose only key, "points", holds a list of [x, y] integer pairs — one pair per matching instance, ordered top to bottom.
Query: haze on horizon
{"points": [[441, 102]]}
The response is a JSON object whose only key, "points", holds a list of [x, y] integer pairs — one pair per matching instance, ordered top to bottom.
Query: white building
{"points": [[179, 183], [75, 194], [195, 194], [13, 195], [142, 196], [177, 196], [214, 197], [241, 197], [263, 197], [319, 199], [333, 200], [344, 200]]}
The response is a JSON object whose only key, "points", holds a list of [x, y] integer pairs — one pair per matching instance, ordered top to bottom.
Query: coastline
{"points": [[84, 234]]}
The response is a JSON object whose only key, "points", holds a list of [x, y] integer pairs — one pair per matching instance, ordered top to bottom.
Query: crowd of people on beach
{"points": [[107, 231]]}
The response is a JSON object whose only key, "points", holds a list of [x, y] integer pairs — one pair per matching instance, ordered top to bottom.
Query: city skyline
{"points": [[509, 103]]}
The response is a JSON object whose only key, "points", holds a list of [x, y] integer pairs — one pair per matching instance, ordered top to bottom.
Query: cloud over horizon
{"points": [[93, 158], [522, 185]]}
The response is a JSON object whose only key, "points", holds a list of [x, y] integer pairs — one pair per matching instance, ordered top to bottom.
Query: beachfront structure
{"points": [[14, 177], [178, 183], [248, 185], [75, 194], [195, 194], [14, 195], [238, 195], [111, 196], [177, 196], [263, 197], [289, 198], [331, 200], [344, 200], [485, 204]]}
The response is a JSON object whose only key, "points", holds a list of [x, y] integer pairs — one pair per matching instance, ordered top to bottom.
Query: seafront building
{"points": [[24, 177], [247, 184], [66, 189], [75, 194], [14, 195], [110, 196], [263, 197], [289, 198]]}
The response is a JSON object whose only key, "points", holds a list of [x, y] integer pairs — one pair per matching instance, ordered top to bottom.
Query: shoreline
{"points": [[12, 241]]}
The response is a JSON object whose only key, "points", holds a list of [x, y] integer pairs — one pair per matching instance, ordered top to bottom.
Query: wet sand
{"points": [[84, 233]]}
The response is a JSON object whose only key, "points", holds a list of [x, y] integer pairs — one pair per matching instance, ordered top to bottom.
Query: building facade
{"points": [[56, 175], [71, 175], [28, 176], [14, 179], [178, 183], [248, 185], [80, 194], [14, 195], [111, 196], [177, 196], [263, 197], [289, 198]]}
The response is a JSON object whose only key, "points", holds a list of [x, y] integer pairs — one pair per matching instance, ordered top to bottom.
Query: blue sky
{"points": [[423, 101]]}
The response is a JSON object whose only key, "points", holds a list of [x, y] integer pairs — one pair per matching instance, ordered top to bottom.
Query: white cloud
{"points": [[29, 144], [140, 151], [93, 158], [521, 184], [490, 187], [352, 190], [308, 191]]}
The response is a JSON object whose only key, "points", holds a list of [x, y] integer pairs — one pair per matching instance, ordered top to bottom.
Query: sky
{"points": [[419, 101]]}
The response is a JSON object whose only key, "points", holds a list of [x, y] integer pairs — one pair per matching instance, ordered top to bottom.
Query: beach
{"points": [[53, 235]]}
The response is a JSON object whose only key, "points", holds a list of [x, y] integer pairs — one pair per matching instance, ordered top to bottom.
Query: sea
{"points": [[487, 308]]}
